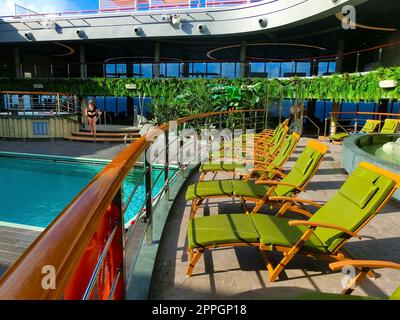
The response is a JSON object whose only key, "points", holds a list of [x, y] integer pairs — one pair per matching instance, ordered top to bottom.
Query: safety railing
{"points": [[125, 6], [38, 103], [351, 122], [89, 250]]}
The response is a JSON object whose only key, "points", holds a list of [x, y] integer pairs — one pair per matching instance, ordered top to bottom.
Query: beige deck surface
{"points": [[239, 273]]}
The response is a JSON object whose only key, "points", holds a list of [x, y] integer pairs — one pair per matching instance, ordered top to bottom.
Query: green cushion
{"points": [[369, 126], [390, 126], [339, 136], [221, 166], [301, 171], [209, 188], [249, 189], [358, 190], [342, 211], [220, 229], [276, 231], [395, 295], [333, 296]]}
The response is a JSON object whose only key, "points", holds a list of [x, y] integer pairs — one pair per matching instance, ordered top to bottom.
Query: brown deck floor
{"points": [[13, 242], [239, 273]]}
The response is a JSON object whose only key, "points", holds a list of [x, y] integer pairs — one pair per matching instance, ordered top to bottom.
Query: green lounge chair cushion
{"points": [[369, 126], [390, 126], [339, 136], [221, 166], [301, 171], [209, 188], [249, 189], [358, 190], [347, 213], [221, 229], [277, 231], [395, 295]]}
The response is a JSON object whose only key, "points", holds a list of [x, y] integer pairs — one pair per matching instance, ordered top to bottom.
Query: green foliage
{"points": [[173, 98]]}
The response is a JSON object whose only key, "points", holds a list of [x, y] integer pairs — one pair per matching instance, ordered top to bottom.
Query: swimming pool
{"points": [[378, 151], [35, 189]]}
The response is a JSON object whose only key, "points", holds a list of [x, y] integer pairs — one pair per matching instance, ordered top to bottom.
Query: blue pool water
{"points": [[33, 192]]}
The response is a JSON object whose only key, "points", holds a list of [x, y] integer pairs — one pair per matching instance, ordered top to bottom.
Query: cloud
{"points": [[40, 6]]}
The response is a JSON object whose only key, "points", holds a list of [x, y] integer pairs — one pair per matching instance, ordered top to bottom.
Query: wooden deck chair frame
{"points": [[259, 152], [260, 165], [279, 202], [339, 254]]}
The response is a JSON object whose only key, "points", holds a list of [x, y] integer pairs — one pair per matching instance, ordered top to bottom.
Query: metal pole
{"points": [[358, 61], [166, 171], [148, 187]]}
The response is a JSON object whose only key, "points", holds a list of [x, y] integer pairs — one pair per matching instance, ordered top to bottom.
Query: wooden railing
{"points": [[85, 242]]}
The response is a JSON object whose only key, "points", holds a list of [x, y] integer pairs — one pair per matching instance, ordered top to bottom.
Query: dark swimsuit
{"points": [[92, 113]]}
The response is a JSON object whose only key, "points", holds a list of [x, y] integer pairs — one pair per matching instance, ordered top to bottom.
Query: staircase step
{"points": [[111, 130], [107, 134], [100, 139]]}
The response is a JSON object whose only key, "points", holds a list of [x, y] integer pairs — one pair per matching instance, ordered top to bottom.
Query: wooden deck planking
{"points": [[13, 242]]}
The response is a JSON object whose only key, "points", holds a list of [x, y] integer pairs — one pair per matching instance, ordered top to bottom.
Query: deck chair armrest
{"points": [[254, 161], [275, 172], [279, 183], [294, 200], [323, 225], [372, 264]]}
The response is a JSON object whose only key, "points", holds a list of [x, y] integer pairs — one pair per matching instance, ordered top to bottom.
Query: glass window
{"points": [[332, 67], [303, 68], [322, 68], [198, 69], [228, 69], [273, 69], [287, 69], [110, 70], [147, 70], [172, 70], [213, 70], [136, 71], [100, 103], [111, 105], [122, 106], [396, 107], [320, 110]]}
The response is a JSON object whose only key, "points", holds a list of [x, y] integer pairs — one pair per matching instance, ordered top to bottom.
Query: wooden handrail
{"points": [[62, 244]]}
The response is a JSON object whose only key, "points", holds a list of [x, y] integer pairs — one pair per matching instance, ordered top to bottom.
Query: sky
{"points": [[42, 6]]}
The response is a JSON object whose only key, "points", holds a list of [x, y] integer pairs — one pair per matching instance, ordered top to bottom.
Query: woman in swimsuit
{"points": [[92, 114]]}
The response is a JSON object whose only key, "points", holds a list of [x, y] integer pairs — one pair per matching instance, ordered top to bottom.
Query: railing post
{"points": [[166, 171], [148, 187]]}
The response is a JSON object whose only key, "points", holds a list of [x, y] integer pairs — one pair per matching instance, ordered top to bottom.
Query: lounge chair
{"points": [[370, 126], [390, 126], [259, 147], [270, 161], [261, 191], [323, 236], [364, 267]]}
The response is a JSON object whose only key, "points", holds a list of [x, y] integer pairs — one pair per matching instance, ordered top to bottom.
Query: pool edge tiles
{"points": [[38, 156], [21, 226]]}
